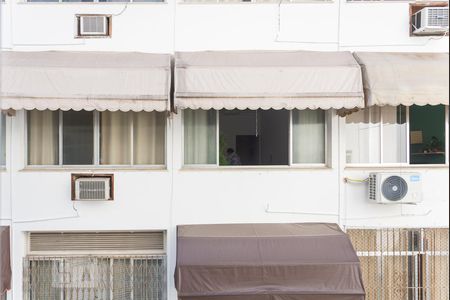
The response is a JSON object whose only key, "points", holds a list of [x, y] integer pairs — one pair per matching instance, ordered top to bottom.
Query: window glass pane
{"points": [[394, 134], [427, 134], [308, 136], [362, 136], [43, 137], [199, 137], [254, 137], [78, 138], [115, 138], [149, 138], [2, 140]]}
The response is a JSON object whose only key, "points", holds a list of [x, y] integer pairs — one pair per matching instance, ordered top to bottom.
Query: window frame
{"points": [[121, 2], [3, 142], [408, 147], [96, 155], [290, 164]]}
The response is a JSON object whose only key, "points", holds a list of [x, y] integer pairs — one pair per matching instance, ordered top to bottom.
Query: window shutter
{"points": [[96, 242]]}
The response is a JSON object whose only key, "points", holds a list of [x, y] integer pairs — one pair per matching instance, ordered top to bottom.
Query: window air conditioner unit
{"points": [[430, 21], [93, 25], [93, 188], [390, 188]]}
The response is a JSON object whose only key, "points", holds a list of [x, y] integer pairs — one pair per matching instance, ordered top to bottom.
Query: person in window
{"points": [[232, 157]]}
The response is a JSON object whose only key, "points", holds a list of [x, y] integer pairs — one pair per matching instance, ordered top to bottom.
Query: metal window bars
{"points": [[403, 263], [95, 278]]}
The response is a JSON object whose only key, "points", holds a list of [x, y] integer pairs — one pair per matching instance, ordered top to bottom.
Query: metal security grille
{"points": [[404, 264], [95, 278]]}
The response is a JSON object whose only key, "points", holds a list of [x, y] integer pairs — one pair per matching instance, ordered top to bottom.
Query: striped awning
{"points": [[85, 80]]}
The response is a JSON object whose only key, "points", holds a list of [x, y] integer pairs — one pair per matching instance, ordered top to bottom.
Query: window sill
{"points": [[274, 2], [90, 3], [395, 167], [93, 168], [255, 168]]}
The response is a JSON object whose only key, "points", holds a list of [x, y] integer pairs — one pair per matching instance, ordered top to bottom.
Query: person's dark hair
{"points": [[230, 151]]}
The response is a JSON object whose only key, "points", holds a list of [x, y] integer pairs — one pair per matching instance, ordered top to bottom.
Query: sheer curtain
{"points": [[308, 129], [394, 134], [362, 136], [43, 137], [200, 137], [115, 138], [149, 138], [2, 140]]}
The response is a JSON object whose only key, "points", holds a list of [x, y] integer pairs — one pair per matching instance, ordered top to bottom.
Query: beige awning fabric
{"points": [[405, 78], [85, 80], [267, 80], [5, 260], [306, 261]]}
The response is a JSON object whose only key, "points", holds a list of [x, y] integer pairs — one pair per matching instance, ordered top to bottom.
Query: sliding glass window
{"points": [[397, 135], [254, 137], [93, 138]]}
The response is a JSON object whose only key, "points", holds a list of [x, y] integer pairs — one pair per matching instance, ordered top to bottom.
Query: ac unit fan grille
{"points": [[438, 17], [93, 24], [394, 188], [92, 190]]}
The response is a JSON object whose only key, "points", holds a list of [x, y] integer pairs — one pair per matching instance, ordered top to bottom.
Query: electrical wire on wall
{"points": [[338, 40]]}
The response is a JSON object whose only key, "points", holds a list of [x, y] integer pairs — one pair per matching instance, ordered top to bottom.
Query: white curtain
{"points": [[308, 130], [394, 134], [115, 136], [362, 136], [43, 137], [199, 137], [149, 138]]}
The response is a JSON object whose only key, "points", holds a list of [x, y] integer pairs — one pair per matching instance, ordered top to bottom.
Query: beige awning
{"points": [[405, 78], [267, 79], [85, 80]]}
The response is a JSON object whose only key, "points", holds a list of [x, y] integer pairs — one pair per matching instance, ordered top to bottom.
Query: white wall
{"points": [[162, 199]]}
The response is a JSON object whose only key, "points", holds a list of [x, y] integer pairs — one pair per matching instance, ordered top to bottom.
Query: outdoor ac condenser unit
{"points": [[430, 21], [392, 188], [93, 189]]}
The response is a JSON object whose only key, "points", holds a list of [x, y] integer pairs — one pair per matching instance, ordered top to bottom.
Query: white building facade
{"points": [[156, 197]]}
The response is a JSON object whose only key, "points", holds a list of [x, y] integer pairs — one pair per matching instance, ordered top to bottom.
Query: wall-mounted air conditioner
{"points": [[430, 21], [93, 25], [92, 187], [392, 188]]}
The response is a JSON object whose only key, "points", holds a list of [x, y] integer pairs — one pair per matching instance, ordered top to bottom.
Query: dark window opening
{"points": [[427, 134], [254, 137]]}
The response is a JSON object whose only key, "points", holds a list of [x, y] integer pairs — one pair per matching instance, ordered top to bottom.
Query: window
{"points": [[97, 1], [380, 135], [254, 137], [96, 138], [2, 140], [403, 263], [59, 267], [95, 277]]}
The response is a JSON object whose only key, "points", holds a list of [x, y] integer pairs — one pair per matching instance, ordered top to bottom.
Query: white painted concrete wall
{"points": [[162, 199]]}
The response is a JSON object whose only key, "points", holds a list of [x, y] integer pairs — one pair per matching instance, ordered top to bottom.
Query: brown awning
{"points": [[405, 78], [85, 80], [267, 80], [267, 262], [5, 263]]}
